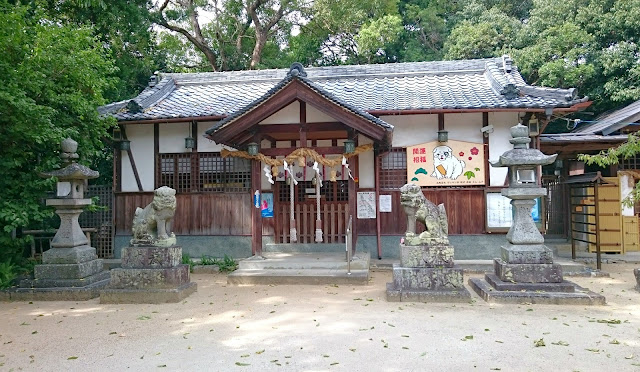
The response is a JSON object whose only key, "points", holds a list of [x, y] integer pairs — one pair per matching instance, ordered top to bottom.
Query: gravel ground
{"points": [[325, 328]]}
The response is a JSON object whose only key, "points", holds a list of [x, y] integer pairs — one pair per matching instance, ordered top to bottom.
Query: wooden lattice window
{"points": [[631, 163], [393, 169], [204, 172]]}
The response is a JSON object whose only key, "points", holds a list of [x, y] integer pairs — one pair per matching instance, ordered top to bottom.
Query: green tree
{"points": [[125, 28], [238, 32], [482, 32], [54, 77], [613, 155]]}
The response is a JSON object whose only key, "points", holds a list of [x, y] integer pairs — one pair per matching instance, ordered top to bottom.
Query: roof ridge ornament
{"points": [[507, 63], [297, 69]]}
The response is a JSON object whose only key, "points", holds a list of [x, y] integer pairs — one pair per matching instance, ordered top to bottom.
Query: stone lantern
{"points": [[524, 188], [70, 269], [526, 271]]}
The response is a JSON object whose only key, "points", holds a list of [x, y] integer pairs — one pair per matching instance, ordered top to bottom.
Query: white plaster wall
{"points": [[287, 115], [314, 115], [464, 127], [410, 130], [141, 137], [172, 137], [499, 142], [204, 144], [365, 165], [626, 187]]}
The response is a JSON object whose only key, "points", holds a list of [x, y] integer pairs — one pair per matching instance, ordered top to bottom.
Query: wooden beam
{"points": [[440, 121], [303, 124], [289, 128], [485, 145], [333, 150], [156, 155], [132, 161], [376, 166], [256, 216]]}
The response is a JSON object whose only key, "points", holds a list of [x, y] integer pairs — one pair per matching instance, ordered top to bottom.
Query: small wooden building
{"points": [[406, 122], [596, 217]]}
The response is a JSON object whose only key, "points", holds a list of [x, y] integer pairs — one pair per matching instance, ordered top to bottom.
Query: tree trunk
{"points": [[261, 41]]}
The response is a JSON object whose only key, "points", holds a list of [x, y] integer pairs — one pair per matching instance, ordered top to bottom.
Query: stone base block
{"points": [[83, 253], [527, 254], [426, 255], [151, 257], [68, 271], [636, 272], [528, 273], [425, 278], [149, 279], [65, 282], [500, 285], [79, 293], [579, 295], [147, 296], [428, 296]]}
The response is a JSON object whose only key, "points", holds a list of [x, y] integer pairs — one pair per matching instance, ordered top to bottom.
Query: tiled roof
{"points": [[297, 72], [491, 83], [612, 121], [580, 137]]}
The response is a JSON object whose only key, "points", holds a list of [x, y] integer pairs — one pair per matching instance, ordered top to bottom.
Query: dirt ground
{"points": [[325, 328]]}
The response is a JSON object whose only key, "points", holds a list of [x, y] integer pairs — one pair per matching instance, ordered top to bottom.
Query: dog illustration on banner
{"points": [[445, 164]]}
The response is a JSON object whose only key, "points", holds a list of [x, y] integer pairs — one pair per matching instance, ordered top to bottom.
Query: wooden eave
{"points": [[237, 131]]}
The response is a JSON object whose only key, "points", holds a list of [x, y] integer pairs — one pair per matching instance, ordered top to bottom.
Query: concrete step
{"points": [[304, 248], [299, 261], [302, 268], [295, 276]]}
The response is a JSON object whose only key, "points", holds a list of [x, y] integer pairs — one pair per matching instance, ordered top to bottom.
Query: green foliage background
{"points": [[54, 76]]}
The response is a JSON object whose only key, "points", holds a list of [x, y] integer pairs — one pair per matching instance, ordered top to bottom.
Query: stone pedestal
{"points": [[70, 270], [636, 272], [427, 273], [526, 273], [149, 275]]}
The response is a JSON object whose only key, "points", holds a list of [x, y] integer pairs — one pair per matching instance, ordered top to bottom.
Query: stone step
{"points": [[304, 248], [300, 261], [302, 268], [299, 276]]}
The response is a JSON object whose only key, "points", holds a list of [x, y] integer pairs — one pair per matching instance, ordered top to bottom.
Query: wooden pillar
{"points": [[376, 165], [353, 166], [487, 172], [256, 216]]}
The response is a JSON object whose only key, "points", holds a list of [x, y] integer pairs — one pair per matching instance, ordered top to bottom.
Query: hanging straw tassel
{"points": [[318, 220], [293, 233]]}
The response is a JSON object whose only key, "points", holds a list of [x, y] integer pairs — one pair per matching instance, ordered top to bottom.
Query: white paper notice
{"points": [[385, 203], [366, 205]]}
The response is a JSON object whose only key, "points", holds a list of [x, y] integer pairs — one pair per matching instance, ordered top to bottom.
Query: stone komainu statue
{"points": [[417, 207], [151, 224]]}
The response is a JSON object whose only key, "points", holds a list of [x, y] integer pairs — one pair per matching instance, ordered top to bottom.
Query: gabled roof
{"points": [[480, 84], [296, 86], [612, 121]]}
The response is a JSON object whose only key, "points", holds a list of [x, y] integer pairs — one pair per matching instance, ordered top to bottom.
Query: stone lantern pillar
{"points": [[70, 269], [526, 271]]}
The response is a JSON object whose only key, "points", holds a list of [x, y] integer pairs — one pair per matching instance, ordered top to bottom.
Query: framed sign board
{"points": [[452, 163]]}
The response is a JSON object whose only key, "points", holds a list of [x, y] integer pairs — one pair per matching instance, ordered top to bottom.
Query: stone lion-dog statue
{"points": [[417, 207], [151, 225]]}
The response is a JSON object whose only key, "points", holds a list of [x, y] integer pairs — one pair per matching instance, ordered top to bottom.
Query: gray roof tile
{"points": [[464, 84], [612, 121]]}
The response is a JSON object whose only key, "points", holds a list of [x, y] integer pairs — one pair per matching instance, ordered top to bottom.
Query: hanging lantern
{"points": [[443, 136], [189, 142], [125, 145], [349, 146], [252, 149]]}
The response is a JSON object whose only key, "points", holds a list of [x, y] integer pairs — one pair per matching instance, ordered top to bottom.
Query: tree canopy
{"points": [[54, 76]]}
